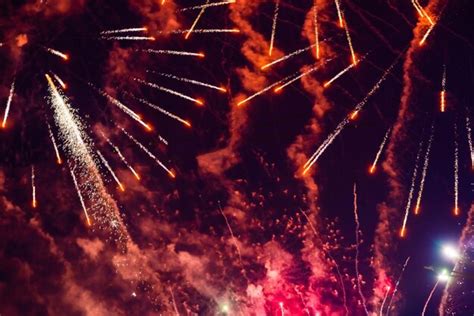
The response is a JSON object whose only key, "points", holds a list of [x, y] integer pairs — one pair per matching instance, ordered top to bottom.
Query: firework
{"points": [[208, 5], [417, 7], [201, 12], [339, 13], [275, 18], [127, 30], [316, 30], [200, 31], [128, 38], [423, 40], [349, 42], [173, 52], [296, 52], [57, 53], [301, 75], [187, 80], [60, 81], [328, 83], [179, 94], [442, 100], [9, 101], [122, 107], [158, 108], [469, 139], [56, 150], [379, 152], [149, 153], [122, 157], [111, 171], [424, 171], [456, 171], [33, 188], [412, 189], [81, 199], [234, 240], [356, 261], [396, 285], [384, 299], [428, 299], [175, 307], [282, 309]]}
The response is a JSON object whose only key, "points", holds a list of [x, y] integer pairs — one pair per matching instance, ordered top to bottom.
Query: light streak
{"points": [[208, 5], [416, 5], [339, 14], [275, 18], [195, 21], [132, 29], [316, 30], [200, 31], [128, 38], [423, 40], [349, 42], [173, 52], [296, 52], [57, 53], [301, 75], [187, 80], [60, 81], [328, 83], [170, 91], [442, 100], [9, 101], [469, 139], [56, 150], [379, 152], [149, 153], [122, 157], [425, 170], [111, 171], [456, 171], [33, 188], [81, 199], [234, 240], [396, 285], [429, 297], [384, 299], [282, 309]]}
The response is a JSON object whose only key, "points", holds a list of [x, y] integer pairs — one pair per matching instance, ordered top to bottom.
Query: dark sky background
{"points": [[172, 250]]}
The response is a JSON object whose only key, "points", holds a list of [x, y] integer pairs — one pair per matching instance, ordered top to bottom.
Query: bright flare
{"points": [[275, 18], [57, 53], [60, 81], [9, 101], [379, 152], [450, 252]]}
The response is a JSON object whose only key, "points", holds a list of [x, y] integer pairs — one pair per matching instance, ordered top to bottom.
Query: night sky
{"points": [[224, 218]]}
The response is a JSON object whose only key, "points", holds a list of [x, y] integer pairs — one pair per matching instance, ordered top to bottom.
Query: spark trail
{"points": [[214, 4], [201, 12], [339, 13], [275, 18], [316, 29], [127, 30], [199, 31], [128, 38], [349, 42], [173, 52], [57, 53], [281, 59], [301, 75], [187, 80], [60, 81], [328, 83], [170, 91], [442, 97], [9, 102], [122, 107], [158, 108], [469, 139], [56, 150], [379, 152], [149, 153], [122, 157], [312, 160], [425, 170], [111, 171], [456, 171], [33, 188], [412, 189], [81, 199], [234, 240], [356, 261], [396, 286], [429, 298], [384, 300]]}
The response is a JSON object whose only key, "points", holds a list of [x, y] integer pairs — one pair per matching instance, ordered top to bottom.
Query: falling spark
{"points": [[208, 5], [418, 9], [423, 12], [339, 13], [275, 18], [196, 21], [132, 29], [316, 30], [200, 31], [128, 38], [423, 40], [349, 42], [173, 52], [296, 52], [57, 53], [305, 73], [60, 81], [195, 82], [328, 83], [153, 85], [442, 100], [9, 101], [122, 107], [156, 107], [469, 139], [56, 150], [379, 152], [149, 153], [122, 157], [312, 160], [425, 170], [111, 171], [456, 171], [33, 187], [412, 189], [81, 199], [357, 236], [234, 240], [396, 285], [429, 298], [384, 300], [175, 307], [282, 309]]}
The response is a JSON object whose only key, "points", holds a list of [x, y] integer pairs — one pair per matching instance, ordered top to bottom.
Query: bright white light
{"points": [[450, 252], [444, 276], [225, 308]]}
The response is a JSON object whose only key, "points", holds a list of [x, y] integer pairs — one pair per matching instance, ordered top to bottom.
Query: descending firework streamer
{"points": [[208, 5], [339, 13], [198, 17], [274, 23], [316, 29], [128, 30], [199, 31], [128, 38], [349, 42], [173, 52], [296, 52], [57, 53], [301, 75], [187, 80], [60, 81], [328, 83], [170, 91], [442, 96], [9, 101], [469, 139], [328, 141], [55, 146], [379, 152], [149, 153], [122, 157], [425, 170], [111, 171], [456, 171], [412, 189], [81, 199], [34, 203], [234, 240], [356, 260], [384, 299], [428, 299], [389, 306]]}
